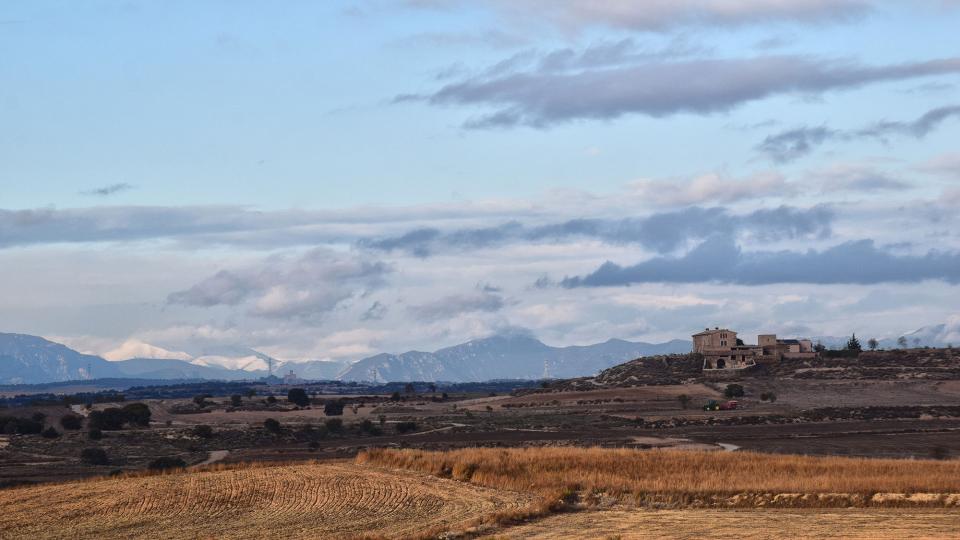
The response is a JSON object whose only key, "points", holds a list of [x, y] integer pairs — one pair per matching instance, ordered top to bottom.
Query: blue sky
{"points": [[441, 156]]}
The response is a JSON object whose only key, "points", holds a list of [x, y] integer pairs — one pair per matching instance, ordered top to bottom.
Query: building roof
{"points": [[708, 331], [789, 341]]}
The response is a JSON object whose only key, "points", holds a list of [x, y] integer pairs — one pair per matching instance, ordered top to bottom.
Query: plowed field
{"points": [[290, 501]]}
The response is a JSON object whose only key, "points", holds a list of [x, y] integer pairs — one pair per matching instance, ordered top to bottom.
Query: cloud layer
{"points": [[543, 98], [798, 142], [720, 260], [283, 287]]}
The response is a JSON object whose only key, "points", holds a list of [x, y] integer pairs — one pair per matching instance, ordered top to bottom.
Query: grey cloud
{"points": [[658, 89], [795, 143], [857, 178], [106, 191], [218, 225], [662, 232], [720, 260], [287, 287], [451, 306], [375, 312]]}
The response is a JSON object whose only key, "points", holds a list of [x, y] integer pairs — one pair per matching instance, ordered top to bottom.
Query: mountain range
{"points": [[26, 359], [30, 359]]}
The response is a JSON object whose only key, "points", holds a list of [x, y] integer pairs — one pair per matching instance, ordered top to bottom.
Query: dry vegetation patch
{"points": [[691, 478], [307, 500]]}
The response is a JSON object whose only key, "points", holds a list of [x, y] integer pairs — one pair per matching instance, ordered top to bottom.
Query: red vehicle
{"points": [[728, 405]]}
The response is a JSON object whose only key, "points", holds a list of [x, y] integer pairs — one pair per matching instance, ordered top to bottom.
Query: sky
{"points": [[330, 180]]}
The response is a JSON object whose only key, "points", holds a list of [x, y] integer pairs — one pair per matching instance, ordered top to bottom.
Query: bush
{"points": [[733, 390], [395, 396], [768, 396], [299, 397], [201, 400], [236, 400], [271, 400], [684, 400], [333, 408], [137, 414], [71, 422], [11, 425], [271, 425], [334, 425], [406, 427], [369, 428], [203, 431], [50, 433], [94, 434], [940, 453], [94, 456], [166, 462]]}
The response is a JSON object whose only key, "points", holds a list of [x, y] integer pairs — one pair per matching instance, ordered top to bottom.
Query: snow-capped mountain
{"points": [[503, 357]]}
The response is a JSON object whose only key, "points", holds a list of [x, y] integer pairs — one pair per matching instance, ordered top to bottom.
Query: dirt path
{"points": [[215, 456], [331, 500], [873, 524]]}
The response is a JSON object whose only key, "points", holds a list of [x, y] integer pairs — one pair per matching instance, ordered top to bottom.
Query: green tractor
{"points": [[712, 405]]}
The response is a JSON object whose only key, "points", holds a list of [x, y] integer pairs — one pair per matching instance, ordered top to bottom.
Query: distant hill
{"points": [[503, 357], [30, 359]]}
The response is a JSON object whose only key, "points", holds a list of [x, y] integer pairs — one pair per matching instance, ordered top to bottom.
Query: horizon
{"points": [[329, 181]]}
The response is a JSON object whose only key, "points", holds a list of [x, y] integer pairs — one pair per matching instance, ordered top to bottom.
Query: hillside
{"points": [[30, 359]]}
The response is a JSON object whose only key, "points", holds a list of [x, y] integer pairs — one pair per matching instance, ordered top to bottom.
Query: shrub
{"points": [[733, 390], [395, 396], [768, 396], [298, 397], [201, 400], [236, 400], [271, 400], [684, 400], [333, 408], [137, 414], [38, 417], [111, 418], [71, 422], [271, 425], [334, 425], [22, 426], [406, 427], [369, 428], [203, 431], [50, 433], [94, 434], [313, 445], [940, 452], [94, 456], [166, 462]]}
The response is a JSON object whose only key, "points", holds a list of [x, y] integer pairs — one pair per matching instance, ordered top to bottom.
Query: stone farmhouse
{"points": [[723, 351]]}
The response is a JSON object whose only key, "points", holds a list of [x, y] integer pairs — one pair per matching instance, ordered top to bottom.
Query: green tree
{"points": [[902, 342], [853, 344], [873, 344], [733, 390], [298, 396], [236, 400], [684, 400], [333, 407], [71, 422], [271, 425]]}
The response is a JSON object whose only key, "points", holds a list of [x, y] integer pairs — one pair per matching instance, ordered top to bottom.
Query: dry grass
{"points": [[676, 475], [306, 500], [700, 524]]}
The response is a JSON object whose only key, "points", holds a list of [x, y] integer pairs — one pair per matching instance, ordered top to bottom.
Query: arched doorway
{"points": [[721, 364]]}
